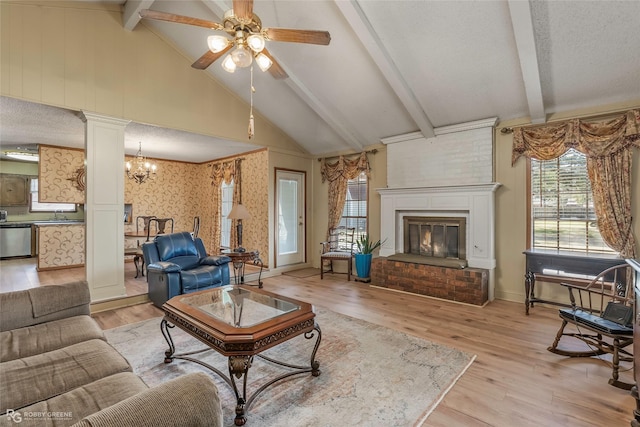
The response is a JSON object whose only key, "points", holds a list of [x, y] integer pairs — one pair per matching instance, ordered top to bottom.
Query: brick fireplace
{"points": [[449, 190], [468, 285]]}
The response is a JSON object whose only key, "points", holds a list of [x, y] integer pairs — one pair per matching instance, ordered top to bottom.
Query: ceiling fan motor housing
{"points": [[232, 24]]}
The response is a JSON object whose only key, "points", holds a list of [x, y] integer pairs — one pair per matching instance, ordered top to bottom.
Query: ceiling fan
{"points": [[248, 38]]}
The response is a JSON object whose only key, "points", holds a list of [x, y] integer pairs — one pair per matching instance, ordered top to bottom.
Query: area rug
{"points": [[304, 272], [370, 375]]}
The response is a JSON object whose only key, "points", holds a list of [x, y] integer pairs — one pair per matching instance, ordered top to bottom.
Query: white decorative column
{"points": [[104, 206]]}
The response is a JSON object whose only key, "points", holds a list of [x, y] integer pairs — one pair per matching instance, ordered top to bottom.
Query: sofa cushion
{"points": [[175, 245], [199, 278], [51, 300], [43, 304], [32, 340], [29, 380], [83, 401], [187, 401]]}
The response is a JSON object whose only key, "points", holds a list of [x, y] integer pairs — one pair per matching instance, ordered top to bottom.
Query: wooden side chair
{"points": [[144, 221], [146, 225], [161, 225], [196, 226], [339, 247], [602, 316]]}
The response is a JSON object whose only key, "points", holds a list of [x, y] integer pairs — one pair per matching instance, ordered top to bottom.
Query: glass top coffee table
{"points": [[241, 322]]}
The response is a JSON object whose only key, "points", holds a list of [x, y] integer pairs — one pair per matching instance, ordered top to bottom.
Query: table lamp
{"points": [[239, 212]]}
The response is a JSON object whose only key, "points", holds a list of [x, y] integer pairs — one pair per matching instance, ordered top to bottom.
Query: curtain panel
{"points": [[608, 147], [221, 172], [338, 174]]}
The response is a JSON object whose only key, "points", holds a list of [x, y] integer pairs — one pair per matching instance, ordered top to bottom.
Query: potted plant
{"points": [[363, 258]]}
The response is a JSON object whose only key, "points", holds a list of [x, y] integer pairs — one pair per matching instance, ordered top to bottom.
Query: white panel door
{"points": [[290, 235]]}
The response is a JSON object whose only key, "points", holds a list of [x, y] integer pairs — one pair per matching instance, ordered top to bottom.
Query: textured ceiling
{"points": [[395, 67], [25, 124]]}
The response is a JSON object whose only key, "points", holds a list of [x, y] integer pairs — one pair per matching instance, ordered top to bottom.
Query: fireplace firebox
{"points": [[435, 237]]}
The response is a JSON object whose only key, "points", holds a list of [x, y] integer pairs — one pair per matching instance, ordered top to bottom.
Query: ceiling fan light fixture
{"points": [[256, 42], [217, 43], [241, 56], [263, 61], [228, 65]]}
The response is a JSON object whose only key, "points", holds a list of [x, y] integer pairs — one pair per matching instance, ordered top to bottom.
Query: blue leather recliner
{"points": [[178, 264]]}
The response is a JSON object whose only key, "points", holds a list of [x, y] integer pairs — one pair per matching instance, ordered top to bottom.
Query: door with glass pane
{"points": [[226, 197], [290, 241]]}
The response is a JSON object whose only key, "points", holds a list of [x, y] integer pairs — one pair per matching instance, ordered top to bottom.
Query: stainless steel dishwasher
{"points": [[15, 240]]}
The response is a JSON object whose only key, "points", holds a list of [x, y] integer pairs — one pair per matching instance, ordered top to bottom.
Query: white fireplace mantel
{"points": [[491, 187], [474, 202]]}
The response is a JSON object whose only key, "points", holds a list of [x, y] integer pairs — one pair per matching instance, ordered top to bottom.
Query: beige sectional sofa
{"points": [[57, 369]]}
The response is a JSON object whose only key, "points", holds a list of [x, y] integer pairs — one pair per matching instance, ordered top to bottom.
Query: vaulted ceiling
{"points": [[395, 67]]}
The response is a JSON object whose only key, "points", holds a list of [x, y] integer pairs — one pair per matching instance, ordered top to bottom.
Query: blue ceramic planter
{"points": [[363, 265]]}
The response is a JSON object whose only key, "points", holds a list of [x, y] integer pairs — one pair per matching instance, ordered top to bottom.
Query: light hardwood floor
{"points": [[20, 273], [514, 380]]}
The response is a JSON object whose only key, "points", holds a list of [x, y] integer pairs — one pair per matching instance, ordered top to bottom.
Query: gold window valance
{"points": [[594, 139], [345, 168], [223, 172]]}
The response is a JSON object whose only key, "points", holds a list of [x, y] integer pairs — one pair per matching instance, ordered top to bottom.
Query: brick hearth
{"points": [[469, 285]]}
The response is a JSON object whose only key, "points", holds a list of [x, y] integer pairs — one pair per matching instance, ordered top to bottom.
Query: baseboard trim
{"points": [[430, 297], [113, 304]]}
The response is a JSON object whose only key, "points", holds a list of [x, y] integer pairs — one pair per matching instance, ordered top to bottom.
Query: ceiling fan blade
{"points": [[243, 10], [170, 17], [298, 36], [209, 58], [275, 70]]}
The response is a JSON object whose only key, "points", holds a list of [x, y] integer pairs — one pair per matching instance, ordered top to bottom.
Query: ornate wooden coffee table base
{"points": [[241, 344]]}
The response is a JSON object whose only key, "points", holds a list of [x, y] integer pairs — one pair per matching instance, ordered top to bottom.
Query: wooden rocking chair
{"points": [[603, 317]]}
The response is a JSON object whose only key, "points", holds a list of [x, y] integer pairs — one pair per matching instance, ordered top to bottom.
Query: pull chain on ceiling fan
{"points": [[248, 38]]}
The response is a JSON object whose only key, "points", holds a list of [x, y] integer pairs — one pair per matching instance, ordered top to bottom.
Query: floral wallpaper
{"points": [[57, 168], [179, 190], [255, 190], [175, 192], [60, 246]]}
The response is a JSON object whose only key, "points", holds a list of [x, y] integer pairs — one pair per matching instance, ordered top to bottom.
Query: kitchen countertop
{"points": [[22, 224]]}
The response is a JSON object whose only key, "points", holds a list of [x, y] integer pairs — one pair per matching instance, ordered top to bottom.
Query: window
{"points": [[36, 206], [354, 213], [562, 213], [225, 224]]}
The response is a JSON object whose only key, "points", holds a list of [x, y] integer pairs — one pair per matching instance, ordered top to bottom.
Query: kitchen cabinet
{"points": [[61, 175], [14, 190], [60, 245]]}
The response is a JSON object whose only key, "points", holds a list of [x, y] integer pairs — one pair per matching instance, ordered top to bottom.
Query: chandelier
{"points": [[141, 169]]}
